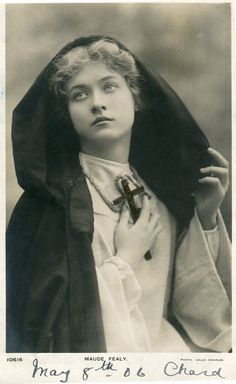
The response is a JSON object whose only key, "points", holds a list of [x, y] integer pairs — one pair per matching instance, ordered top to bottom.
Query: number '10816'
{"points": [[14, 359]]}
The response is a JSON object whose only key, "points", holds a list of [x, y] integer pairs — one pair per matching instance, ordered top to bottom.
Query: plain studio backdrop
{"points": [[188, 44]]}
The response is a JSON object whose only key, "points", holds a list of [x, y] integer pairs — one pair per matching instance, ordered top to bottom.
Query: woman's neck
{"points": [[117, 152]]}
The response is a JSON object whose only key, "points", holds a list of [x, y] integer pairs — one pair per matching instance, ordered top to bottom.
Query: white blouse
{"points": [[135, 304]]}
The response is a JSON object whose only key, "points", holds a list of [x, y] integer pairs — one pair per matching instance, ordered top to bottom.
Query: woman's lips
{"points": [[101, 120]]}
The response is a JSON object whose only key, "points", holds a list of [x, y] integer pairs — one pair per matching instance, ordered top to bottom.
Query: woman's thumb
{"points": [[124, 215]]}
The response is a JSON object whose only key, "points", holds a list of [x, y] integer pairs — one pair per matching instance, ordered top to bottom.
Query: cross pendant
{"points": [[128, 196]]}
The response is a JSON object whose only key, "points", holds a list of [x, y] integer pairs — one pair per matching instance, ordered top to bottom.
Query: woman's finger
{"points": [[218, 157], [213, 169], [221, 173], [210, 180], [145, 211], [124, 215], [154, 220], [156, 231]]}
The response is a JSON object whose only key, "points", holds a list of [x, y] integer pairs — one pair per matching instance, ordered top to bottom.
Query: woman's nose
{"points": [[98, 104], [98, 108]]}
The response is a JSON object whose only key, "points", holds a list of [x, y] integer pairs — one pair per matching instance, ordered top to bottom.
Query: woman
{"points": [[86, 274]]}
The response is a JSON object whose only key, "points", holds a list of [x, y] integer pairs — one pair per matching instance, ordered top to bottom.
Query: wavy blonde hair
{"points": [[105, 51]]}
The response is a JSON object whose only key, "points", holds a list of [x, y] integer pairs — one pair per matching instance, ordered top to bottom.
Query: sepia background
{"points": [[189, 44]]}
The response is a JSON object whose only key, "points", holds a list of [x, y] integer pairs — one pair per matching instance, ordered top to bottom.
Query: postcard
{"points": [[117, 192]]}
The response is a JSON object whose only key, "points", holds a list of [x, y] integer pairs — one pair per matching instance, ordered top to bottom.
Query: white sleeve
{"points": [[212, 238], [121, 280], [120, 293], [201, 295]]}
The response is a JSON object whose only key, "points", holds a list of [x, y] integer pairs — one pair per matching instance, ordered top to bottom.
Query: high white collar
{"points": [[110, 165], [103, 173]]}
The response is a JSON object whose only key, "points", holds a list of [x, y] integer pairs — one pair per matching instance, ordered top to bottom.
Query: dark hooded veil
{"points": [[167, 146], [167, 150]]}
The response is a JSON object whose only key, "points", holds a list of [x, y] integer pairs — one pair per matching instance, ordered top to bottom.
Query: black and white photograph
{"points": [[118, 191]]}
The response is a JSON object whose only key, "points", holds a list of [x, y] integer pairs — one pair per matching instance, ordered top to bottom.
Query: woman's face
{"points": [[100, 104]]}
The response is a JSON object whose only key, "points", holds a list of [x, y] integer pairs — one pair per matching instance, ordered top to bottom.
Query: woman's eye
{"points": [[110, 87], [79, 96]]}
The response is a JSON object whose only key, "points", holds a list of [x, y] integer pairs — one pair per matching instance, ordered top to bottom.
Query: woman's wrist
{"points": [[208, 222], [128, 258]]}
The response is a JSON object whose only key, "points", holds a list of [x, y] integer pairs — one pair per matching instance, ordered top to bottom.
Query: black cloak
{"points": [[52, 293]]}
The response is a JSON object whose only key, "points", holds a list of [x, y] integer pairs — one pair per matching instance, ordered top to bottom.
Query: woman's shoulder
{"points": [[29, 212]]}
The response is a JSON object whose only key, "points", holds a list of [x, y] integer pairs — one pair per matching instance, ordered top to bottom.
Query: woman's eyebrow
{"points": [[108, 78], [78, 86], [85, 86]]}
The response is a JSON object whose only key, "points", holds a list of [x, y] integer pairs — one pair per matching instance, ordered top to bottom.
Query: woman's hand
{"points": [[212, 189], [133, 241]]}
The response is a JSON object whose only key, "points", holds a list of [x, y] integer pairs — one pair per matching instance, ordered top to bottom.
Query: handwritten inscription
{"points": [[105, 366], [110, 366], [109, 369], [173, 369], [46, 372]]}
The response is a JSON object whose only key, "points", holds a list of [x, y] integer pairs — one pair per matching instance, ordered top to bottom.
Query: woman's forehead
{"points": [[93, 72]]}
